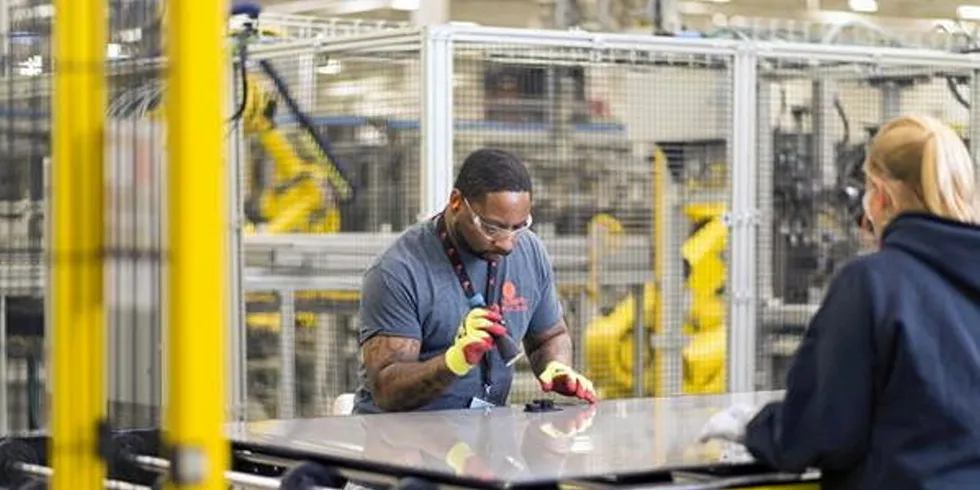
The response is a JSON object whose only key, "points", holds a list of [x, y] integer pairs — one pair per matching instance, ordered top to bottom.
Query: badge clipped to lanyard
{"points": [[475, 299]]}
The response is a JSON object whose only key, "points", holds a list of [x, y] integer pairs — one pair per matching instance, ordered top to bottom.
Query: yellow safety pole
{"points": [[199, 224], [76, 303]]}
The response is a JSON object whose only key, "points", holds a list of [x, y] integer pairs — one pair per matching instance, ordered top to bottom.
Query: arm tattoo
{"points": [[554, 344], [400, 381]]}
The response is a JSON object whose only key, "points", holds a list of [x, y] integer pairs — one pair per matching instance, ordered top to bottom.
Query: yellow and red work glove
{"points": [[473, 339], [564, 380], [464, 461]]}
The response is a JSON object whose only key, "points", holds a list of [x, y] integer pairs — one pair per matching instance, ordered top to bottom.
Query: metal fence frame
{"points": [[745, 218], [287, 287], [745, 300]]}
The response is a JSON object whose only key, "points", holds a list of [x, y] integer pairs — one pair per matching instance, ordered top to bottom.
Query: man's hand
{"points": [[473, 339], [564, 380], [728, 424]]}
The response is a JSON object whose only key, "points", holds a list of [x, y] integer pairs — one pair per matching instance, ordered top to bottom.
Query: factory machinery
{"points": [[307, 187], [320, 203], [593, 209], [644, 281]]}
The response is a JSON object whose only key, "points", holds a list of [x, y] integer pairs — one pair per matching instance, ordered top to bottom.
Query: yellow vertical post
{"points": [[198, 224], [76, 303]]}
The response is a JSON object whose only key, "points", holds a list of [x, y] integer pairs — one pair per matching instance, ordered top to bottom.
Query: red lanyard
{"points": [[476, 299]]}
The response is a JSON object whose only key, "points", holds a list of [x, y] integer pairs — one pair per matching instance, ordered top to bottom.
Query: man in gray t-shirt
{"points": [[425, 343]]}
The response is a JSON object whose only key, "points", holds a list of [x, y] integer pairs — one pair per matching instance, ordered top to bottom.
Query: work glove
{"points": [[473, 339], [564, 380], [570, 423], [728, 424], [549, 440], [464, 461]]}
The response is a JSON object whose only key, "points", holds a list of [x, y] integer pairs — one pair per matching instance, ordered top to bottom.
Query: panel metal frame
{"points": [[307, 51], [975, 120], [437, 122], [743, 224], [237, 382]]}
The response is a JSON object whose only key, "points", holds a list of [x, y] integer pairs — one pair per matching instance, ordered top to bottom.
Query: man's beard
{"points": [[463, 243]]}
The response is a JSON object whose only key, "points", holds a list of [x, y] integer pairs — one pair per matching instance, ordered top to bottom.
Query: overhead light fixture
{"points": [[405, 5], [866, 6], [968, 12], [31, 67], [332, 67]]}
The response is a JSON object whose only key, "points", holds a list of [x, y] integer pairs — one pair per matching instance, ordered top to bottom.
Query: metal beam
{"points": [[743, 222]]}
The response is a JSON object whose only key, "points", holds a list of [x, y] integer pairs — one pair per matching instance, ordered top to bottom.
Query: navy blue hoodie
{"points": [[884, 391]]}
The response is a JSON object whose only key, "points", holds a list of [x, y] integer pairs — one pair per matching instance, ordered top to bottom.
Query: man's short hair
{"points": [[491, 170]]}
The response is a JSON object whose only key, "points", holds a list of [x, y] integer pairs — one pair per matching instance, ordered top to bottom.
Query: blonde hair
{"points": [[926, 167]]}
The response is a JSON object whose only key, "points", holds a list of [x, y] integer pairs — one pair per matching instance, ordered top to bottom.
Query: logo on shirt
{"points": [[511, 302]]}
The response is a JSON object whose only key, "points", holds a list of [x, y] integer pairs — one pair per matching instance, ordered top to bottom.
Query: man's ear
{"points": [[455, 200]]}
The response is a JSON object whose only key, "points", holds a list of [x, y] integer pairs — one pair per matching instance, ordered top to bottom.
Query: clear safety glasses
{"points": [[493, 231]]}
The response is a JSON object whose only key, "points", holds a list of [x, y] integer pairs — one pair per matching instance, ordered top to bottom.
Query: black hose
{"points": [[243, 73], [955, 90], [843, 118], [307, 124]]}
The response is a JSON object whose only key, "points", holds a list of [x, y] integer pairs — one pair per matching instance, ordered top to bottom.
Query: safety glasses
{"points": [[495, 232]]}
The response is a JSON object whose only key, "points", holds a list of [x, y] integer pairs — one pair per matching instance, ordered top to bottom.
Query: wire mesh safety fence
{"points": [[814, 123], [356, 125], [26, 148], [630, 148], [627, 149], [637, 152], [136, 215], [132, 247]]}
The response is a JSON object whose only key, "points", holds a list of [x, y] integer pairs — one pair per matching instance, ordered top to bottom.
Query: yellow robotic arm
{"points": [[308, 185], [609, 339]]}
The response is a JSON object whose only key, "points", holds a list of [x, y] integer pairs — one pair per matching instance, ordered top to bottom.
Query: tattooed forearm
{"points": [[553, 345], [400, 381]]}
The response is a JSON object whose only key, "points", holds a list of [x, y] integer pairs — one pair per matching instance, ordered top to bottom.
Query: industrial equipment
{"points": [[585, 119], [587, 123], [308, 184], [609, 340]]}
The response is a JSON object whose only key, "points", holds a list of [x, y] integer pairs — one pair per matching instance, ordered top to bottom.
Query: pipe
{"points": [[46, 473], [233, 477]]}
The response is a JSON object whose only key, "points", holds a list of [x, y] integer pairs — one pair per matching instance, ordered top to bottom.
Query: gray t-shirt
{"points": [[411, 291]]}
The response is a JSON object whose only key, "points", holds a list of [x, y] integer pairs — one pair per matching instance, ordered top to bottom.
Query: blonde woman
{"points": [[884, 391]]}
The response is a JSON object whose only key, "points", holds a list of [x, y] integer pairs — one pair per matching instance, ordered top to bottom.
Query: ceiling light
{"points": [[405, 5], [863, 5], [968, 12], [332, 67]]}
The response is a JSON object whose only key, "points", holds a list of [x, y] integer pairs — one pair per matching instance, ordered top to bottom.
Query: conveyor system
{"points": [[620, 444]]}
